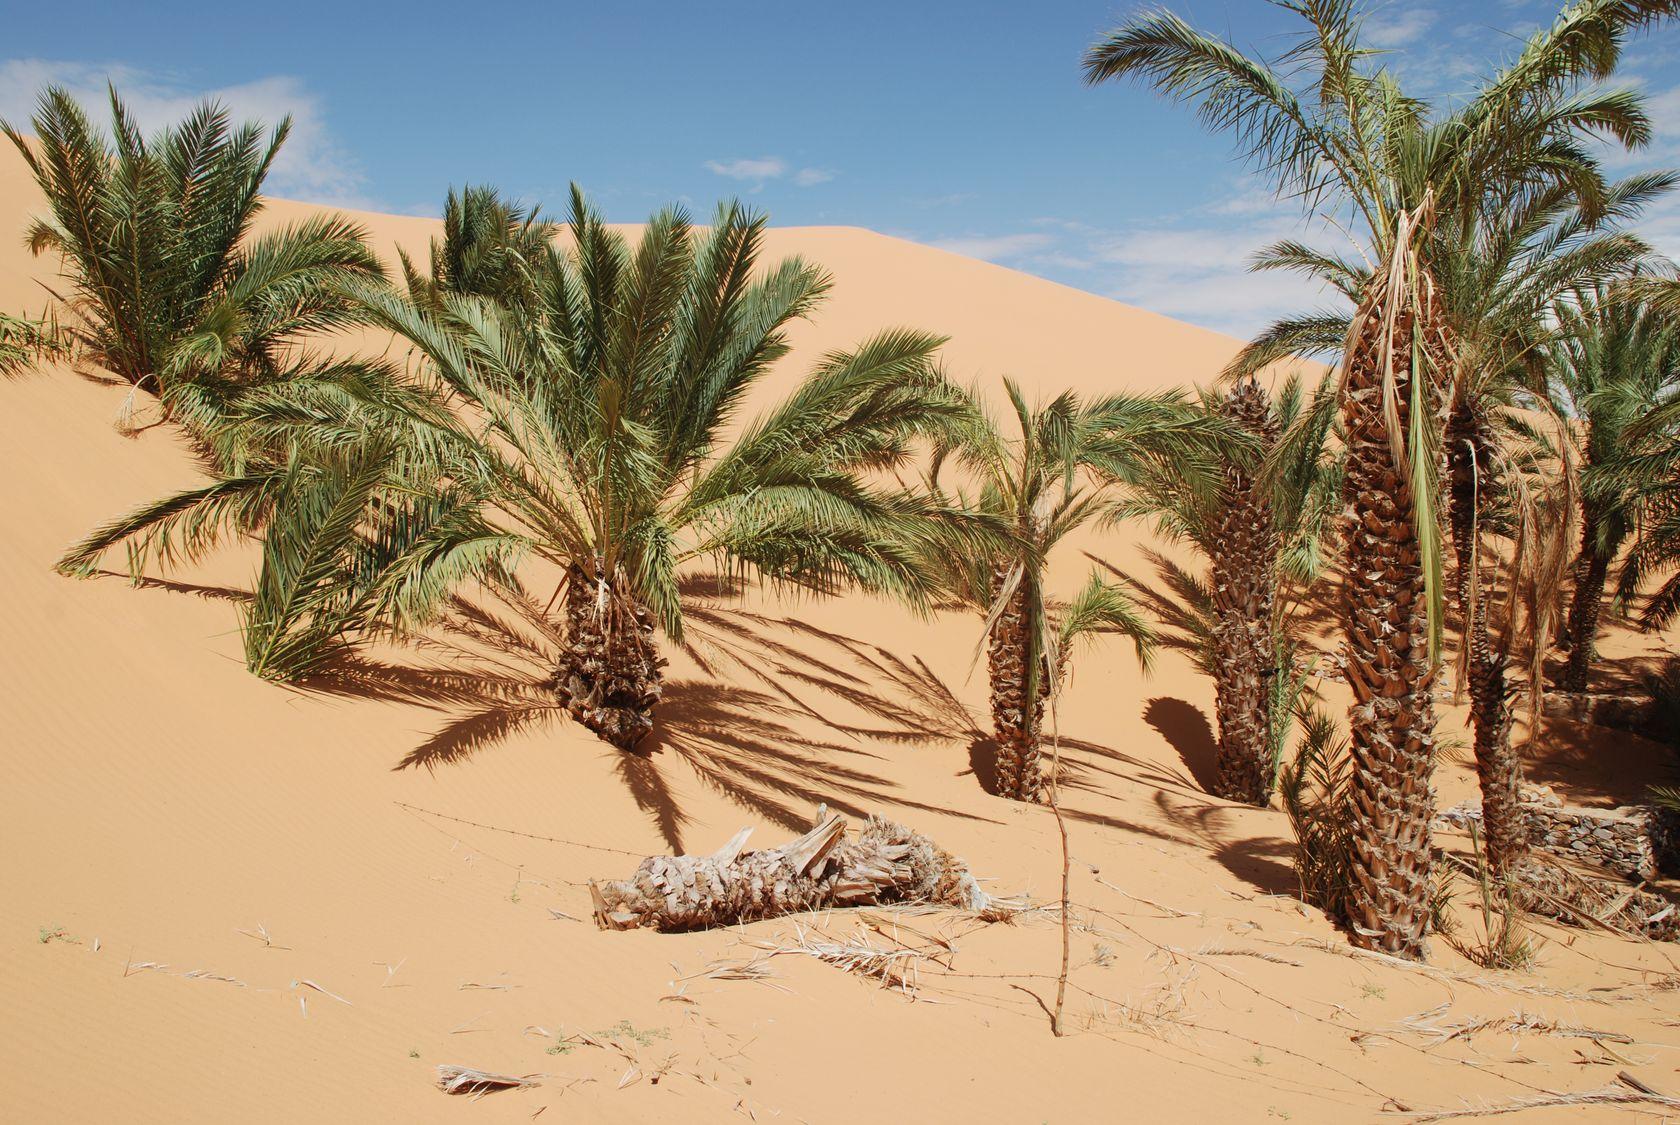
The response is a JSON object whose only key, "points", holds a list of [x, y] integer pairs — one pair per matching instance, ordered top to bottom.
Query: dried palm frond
{"points": [[453, 1079]]}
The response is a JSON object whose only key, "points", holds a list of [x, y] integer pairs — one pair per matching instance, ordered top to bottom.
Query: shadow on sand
{"points": [[798, 734]]}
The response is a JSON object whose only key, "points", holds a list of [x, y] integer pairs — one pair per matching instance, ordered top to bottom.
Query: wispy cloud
{"points": [[1398, 26], [312, 166], [760, 170], [1002, 248], [1194, 266]]}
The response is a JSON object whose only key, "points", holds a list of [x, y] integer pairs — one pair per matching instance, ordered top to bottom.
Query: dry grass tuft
{"points": [[895, 966], [1433, 1025], [1609, 1095]]}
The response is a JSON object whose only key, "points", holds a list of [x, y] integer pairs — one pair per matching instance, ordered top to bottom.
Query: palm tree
{"points": [[1326, 125], [490, 248], [1500, 282], [168, 290], [1616, 361], [585, 428], [1056, 474], [1263, 534]]}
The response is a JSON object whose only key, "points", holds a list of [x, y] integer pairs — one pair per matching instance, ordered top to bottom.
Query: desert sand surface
{"points": [[223, 900]]}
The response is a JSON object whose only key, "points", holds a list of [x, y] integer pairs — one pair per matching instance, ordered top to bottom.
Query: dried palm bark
{"points": [[1243, 573], [1384, 608], [609, 675], [1016, 720], [1498, 768], [887, 863]]}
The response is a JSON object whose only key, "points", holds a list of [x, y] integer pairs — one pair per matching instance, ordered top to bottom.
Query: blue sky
{"points": [[961, 125]]}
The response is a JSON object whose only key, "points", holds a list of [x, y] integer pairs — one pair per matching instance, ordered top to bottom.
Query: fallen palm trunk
{"points": [[887, 863]]}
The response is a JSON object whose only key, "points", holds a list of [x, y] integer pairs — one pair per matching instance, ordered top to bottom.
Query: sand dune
{"points": [[229, 901]]}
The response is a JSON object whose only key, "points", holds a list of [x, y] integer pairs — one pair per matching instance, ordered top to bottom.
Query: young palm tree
{"points": [[1325, 127], [490, 248], [167, 290], [1615, 363], [586, 428], [1056, 474], [1263, 534]]}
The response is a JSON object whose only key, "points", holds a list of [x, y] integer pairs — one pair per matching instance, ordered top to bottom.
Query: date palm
{"points": [[1326, 124], [490, 248], [1500, 282], [168, 290], [1616, 362], [585, 426], [1056, 472], [1263, 535]]}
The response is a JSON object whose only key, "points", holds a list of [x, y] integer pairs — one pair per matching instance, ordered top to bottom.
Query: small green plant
{"points": [[1314, 789], [50, 934], [1503, 944], [1373, 991], [624, 1029], [413, 1054], [1258, 1059]]}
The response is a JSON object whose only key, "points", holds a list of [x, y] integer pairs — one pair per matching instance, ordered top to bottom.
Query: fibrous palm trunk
{"points": [[1591, 572], [1244, 573], [1385, 618], [609, 676], [1016, 718], [1498, 768], [886, 863]]}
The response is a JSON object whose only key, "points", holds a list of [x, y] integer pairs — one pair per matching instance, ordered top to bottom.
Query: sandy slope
{"points": [[159, 801]]}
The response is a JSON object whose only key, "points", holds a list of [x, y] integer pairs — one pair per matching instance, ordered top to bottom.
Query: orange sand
{"points": [[161, 807]]}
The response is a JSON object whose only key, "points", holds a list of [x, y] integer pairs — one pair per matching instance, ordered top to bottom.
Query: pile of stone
{"points": [[1636, 714], [1634, 841]]}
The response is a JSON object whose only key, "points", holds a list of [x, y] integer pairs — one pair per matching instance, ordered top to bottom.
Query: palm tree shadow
{"points": [[174, 586], [492, 678], [1187, 731], [983, 763], [1263, 862]]}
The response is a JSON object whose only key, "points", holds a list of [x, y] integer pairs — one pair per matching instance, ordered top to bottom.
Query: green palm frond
{"points": [[165, 283]]}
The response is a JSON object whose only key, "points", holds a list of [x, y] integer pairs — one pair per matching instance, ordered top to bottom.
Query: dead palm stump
{"points": [[887, 863]]}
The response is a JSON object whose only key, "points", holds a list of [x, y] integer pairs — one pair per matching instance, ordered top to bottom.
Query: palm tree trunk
{"points": [[1591, 572], [1244, 574], [1385, 619], [609, 676], [1016, 721], [1498, 768], [887, 863]]}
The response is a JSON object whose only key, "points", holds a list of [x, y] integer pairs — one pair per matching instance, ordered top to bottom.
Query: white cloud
{"points": [[1398, 26], [312, 166], [761, 168], [996, 248], [1195, 267]]}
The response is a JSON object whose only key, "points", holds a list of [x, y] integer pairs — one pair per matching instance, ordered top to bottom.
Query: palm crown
{"points": [[168, 289], [584, 421], [1055, 474]]}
